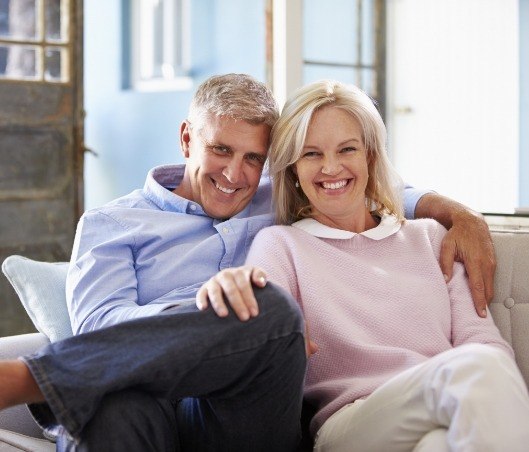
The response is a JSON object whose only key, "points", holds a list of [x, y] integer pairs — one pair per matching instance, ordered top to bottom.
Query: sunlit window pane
{"points": [[18, 20], [56, 22], [335, 38], [160, 44], [20, 62], [56, 64], [368, 82]]}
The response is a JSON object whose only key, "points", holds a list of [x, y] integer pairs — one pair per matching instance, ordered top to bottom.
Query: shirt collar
{"points": [[159, 186], [388, 226]]}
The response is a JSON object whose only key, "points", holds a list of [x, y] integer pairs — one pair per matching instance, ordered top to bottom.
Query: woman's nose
{"points": [[331, 167]]}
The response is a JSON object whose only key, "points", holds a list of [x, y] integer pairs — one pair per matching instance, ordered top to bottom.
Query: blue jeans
{"points": [[184, 380]]}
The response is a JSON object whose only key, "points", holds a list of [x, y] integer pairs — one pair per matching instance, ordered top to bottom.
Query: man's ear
{"points": [[185, 138]]}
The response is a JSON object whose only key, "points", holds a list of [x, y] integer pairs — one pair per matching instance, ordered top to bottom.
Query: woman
{"points": [[403, 361]]}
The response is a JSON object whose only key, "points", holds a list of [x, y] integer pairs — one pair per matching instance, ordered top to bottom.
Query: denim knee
{"points": [[280, 305], [127, 421]]}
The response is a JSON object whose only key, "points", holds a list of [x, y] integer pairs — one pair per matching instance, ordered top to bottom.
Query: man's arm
{"points": [[468, 241], [102, 284]]}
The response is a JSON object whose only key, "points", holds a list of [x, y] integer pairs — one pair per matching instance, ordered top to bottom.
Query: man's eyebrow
{"points": [[219, 144]]}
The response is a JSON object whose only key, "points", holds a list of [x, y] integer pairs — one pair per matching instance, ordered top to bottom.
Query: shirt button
{"points": [[192, 207], [225, 230]]}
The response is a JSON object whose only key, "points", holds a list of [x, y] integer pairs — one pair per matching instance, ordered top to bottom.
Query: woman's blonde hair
{"points": [[383, 191]]}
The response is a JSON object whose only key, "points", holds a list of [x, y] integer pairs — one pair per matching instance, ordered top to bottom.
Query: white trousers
{"points": [[470, 398]]}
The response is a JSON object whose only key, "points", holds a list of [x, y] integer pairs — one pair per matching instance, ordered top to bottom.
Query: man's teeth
{"points": [[334, 185], [224, 189]]}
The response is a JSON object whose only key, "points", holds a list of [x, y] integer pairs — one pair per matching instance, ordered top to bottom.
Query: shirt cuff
{"points": [[411, 198]]}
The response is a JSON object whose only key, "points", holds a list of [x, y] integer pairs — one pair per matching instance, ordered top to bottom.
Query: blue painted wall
{"points": [[131, 131]]}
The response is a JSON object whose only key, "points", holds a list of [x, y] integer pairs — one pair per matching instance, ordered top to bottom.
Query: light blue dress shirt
{"points": [[152, 249]]}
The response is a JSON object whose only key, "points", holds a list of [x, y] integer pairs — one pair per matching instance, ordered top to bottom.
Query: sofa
{"points": [[40, 287]]}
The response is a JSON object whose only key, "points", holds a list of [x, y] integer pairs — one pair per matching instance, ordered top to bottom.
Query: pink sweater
{"points": [[374, 307]]}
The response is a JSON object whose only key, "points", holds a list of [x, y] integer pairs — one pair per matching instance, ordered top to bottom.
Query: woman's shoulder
{"points": [[428, 225], [426, 230], [278, 231]]}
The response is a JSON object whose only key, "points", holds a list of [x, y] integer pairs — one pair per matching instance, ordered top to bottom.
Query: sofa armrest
{"points": [[18, 419]]}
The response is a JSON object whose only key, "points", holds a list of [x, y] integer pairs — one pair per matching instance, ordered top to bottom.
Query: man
{"points": [[164, 375]]}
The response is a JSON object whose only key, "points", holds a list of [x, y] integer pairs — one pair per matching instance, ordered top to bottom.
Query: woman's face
{"points": [[333, 168]]}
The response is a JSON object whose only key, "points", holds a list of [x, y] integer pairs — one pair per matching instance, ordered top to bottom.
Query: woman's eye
{"points": [[349, 149], [310, 154]]}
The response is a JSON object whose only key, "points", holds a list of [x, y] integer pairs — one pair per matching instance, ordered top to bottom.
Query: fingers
{"points": [[469, 241], [448, 256], [259, 277], [488, 278], [232, 286], [477, 288], [211, 293], [202, 298], [310, 347]]}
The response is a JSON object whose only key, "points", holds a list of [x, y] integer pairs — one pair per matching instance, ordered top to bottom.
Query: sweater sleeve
{"points": [[271, 252], [467, 326]]}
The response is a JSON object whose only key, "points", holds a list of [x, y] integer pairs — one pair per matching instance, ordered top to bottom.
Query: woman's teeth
{"points": [[334, 185]]}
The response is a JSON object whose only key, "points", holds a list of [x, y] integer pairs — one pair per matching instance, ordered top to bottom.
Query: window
{"points": [[34, 40], [348, 45], [159, 51], [449, 77]]}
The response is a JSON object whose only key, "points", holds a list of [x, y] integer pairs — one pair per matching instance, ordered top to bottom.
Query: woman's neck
{"points": [[358, 223]]}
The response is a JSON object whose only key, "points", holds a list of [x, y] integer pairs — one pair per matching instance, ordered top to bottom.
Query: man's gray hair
{"points": [[236, 96]]}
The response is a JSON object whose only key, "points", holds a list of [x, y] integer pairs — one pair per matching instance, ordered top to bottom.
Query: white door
{"points": [[453, 98]]}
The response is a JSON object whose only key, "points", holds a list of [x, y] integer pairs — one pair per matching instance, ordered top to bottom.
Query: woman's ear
{"points": [[185, 138]]}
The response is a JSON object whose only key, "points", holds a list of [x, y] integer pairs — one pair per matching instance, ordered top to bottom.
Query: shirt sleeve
{"points": [[411, 198], [101, 286], [467, 326]]}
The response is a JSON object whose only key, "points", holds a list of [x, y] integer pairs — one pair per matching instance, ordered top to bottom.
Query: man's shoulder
{"points": [[135, 199], [122, 207]]}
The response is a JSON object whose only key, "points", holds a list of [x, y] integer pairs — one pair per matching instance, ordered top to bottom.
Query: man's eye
{"points": [[221, 149], [256, 158]]}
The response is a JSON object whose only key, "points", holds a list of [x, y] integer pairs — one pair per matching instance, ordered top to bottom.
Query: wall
{"points": [[453, 85], [524, 104], [131, 131]]}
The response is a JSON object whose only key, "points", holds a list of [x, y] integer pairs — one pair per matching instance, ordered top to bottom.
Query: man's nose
{"points": [[233, 171]]}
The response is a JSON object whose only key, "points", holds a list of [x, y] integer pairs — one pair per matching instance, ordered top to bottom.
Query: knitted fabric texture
{"points": [[374, 307]]}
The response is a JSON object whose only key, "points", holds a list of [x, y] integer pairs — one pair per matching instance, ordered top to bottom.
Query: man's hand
{"points": [[468, 241], [233, 285], [310, 345]]}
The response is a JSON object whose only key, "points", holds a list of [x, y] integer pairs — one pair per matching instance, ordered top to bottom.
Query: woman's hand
{"points": [[232, 285]]}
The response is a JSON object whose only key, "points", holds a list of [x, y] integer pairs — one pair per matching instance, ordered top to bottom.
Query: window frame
{"points": [[42, 44], [171, 45]]}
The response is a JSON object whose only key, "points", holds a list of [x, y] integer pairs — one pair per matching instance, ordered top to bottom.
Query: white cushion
{"points": [[41, 289]]}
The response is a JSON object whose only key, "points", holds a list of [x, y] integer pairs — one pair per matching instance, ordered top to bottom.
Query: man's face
{"points": [[225, 159]]}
